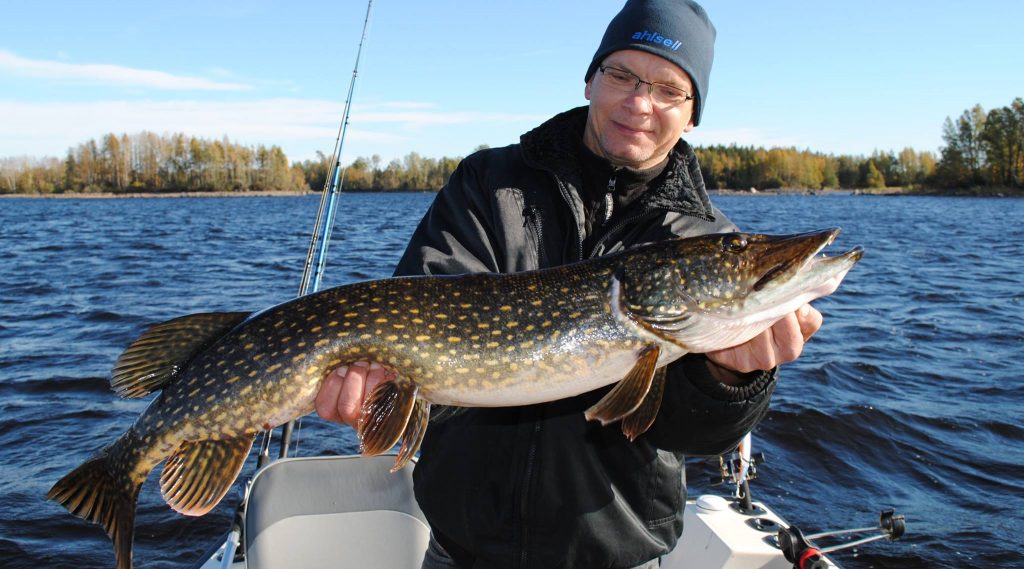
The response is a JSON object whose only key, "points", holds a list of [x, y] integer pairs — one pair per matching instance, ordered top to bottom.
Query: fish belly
{"points": [[527, 381]]}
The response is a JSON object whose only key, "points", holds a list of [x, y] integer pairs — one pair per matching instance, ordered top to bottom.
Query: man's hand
{"points": [[779, 344], [341, 394]]}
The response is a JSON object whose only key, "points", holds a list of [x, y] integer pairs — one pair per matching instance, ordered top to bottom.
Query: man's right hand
{"points": [[341, 394]]}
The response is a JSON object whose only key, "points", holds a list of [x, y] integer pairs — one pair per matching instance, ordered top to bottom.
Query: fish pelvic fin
{"points": [[152, 360], [628, 395], [386, 416], [641, 419], [414, 431], [199, 473], [95, 492]]}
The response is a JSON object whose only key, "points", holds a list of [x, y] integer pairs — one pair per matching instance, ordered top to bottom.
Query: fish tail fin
{"points": [[95, 492]]}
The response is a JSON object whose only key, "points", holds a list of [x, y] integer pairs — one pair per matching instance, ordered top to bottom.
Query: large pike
{"points": [[473, 340]]}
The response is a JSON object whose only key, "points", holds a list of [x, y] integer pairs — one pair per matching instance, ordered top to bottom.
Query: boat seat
{"points": [[334, 512]]}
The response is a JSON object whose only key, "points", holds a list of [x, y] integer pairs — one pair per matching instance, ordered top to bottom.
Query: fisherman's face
{"points": [[629, 128]]}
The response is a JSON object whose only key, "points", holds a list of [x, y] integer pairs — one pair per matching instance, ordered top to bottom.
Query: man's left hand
{"points": [[779, 344]]}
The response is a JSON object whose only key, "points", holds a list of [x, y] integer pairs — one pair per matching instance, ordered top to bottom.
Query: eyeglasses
{"points": [[663, 94]]}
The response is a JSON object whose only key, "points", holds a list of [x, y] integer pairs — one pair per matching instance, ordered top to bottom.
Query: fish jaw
{"points": [[792, 284], [741, 307], [715, 331]]}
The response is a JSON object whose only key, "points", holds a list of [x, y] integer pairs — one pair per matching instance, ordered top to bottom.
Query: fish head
{"points": [[716, 291]]}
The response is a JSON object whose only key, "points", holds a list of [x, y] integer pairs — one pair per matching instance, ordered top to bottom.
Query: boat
{"points": [[353, 512]]}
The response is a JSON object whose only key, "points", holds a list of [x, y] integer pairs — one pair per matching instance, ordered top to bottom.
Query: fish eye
{"points": [[734, 243]]}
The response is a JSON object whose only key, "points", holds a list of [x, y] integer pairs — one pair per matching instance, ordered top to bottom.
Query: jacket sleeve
{"points": [[456, 234], [701, 416]]}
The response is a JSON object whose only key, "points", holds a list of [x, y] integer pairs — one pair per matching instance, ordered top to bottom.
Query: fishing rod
{"points": [[316, 255], [312, 273]]}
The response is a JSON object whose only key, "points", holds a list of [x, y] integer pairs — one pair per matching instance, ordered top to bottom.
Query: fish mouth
{"points": [[797, 255]]}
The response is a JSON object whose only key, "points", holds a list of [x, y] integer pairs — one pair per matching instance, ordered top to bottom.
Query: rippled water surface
{"points": [[910, 397]]}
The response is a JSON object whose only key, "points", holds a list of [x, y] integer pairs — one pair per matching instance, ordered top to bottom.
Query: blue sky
{"points": [[441, 77]]}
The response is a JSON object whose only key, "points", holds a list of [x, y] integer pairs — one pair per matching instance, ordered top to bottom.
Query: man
{"points": [[539, 486]]}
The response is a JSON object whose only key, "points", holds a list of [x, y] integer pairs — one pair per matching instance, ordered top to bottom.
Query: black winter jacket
{"points": [[539, 486]]}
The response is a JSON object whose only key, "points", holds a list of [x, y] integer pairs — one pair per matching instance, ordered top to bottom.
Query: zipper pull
{"points": [[609, 198], [529, 214]]}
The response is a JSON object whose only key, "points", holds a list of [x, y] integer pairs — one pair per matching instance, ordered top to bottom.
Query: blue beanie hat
{"points": [[676, 30]]}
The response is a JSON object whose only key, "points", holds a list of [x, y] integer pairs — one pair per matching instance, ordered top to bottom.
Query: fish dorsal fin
{"points": [[155, 357], [628, 394], [385, 416], [641, 419], [199, 473]]}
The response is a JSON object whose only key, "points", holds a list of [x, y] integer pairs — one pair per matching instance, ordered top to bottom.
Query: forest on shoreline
{"points": [[983, 150]]}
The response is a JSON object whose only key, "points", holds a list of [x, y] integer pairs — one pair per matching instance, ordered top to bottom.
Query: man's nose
{"points": [[641, 100]]}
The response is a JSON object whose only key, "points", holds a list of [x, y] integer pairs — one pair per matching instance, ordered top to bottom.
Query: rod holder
{"points": [[800, 549]]}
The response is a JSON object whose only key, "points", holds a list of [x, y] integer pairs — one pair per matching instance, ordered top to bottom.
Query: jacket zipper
{"points": [[532, 218], [633, 219], [575, 222], [618, 226], [524, 503]]}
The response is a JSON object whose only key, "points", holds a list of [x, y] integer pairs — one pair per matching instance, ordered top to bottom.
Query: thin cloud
{"points": [[107, 74], [393, 105], [421, 120], [300, 126], [739, 137]]}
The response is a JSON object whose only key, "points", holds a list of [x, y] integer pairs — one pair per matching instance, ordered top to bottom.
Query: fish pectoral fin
{"points": [[151, 361], [629, 393], [385, 416], [641, 419], [414, 432], [199, 473]]}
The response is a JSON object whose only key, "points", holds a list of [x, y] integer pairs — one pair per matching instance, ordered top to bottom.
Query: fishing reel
{"points": [[732, 465], [738, 469], [801, 551]]}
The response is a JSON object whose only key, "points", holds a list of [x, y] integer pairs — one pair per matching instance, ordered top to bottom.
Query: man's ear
{"points": [[586, 90], [689, 124]]}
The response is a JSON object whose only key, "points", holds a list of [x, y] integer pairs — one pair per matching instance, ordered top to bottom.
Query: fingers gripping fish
{"points": [[485, 340]]}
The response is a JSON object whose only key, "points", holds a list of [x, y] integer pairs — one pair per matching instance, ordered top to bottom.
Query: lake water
{"points": [[909, 397]]}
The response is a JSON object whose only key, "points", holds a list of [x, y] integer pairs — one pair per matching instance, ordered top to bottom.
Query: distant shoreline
{"points": [[961, 192], [981, 192], [112, 195]]}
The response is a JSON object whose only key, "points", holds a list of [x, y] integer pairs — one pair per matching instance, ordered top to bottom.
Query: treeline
{"points": [[982, 149], [147, 162], [150, 163], [743, 167], [412, 173]]}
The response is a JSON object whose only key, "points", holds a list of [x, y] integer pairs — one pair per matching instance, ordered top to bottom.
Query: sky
{"points": [[442, 77]]}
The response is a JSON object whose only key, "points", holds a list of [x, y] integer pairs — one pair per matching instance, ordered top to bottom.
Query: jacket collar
{"points": [[554, 146]]}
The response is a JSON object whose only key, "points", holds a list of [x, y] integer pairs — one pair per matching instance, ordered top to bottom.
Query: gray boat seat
{"points": [[334, 512]]}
